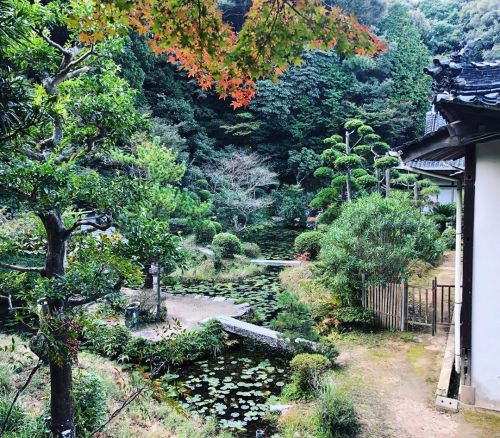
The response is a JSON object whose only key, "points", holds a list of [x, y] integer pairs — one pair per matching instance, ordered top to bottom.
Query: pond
{"points": [[260, 291], [234, 388]]}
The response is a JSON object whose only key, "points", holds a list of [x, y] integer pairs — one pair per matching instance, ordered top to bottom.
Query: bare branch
{"points": [[61, 49], [90, 223], [20, 268], [18, 393], [117, 412]]}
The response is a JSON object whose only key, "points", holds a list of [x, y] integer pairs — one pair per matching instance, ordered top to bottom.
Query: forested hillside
{"points": [[288, 120]]}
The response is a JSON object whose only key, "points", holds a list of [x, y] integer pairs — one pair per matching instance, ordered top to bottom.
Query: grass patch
{"points": [[232, 270], [415, 353], [482, 420]]}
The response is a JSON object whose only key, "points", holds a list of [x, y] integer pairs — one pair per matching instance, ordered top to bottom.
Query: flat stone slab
{"points": [[264, 262], [260, 334]]}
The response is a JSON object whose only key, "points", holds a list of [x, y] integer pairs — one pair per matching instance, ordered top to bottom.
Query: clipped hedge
{"points": [[205, 232], [308, 242], [228, 244], [250, 249], [117, 342], [306, 372]]}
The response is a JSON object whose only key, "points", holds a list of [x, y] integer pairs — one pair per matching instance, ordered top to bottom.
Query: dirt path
{"points": [[392, 384]]}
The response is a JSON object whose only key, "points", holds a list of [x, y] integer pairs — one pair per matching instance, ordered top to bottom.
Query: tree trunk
{"points": [[377, 175], [387, 182], [348, 185], [415, 192], [62, 422]]}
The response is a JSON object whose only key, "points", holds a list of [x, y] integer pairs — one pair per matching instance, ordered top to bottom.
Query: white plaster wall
{"points": [[485, 366]]}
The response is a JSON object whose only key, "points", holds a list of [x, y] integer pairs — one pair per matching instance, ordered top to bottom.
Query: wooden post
{"points": [[404, 306], [434, 306]]}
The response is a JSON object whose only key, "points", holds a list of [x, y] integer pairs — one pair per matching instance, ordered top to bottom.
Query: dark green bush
{"points": [[202, 184], [204, 195], [328, 216], [218, 227], [204, 232], [448, 238], [308, 242], [228, 244], [250, 249], [351, 317], [294, 318], [116, 342], [326, 346], [306, 372], [89, 402], [337, 417]]}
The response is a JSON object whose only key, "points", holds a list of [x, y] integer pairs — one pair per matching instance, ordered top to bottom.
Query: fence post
{"points": [[363, 290], [434, 305], [404, 306]]}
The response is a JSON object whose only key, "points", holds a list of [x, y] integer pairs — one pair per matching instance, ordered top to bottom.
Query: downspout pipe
{"points": [[458, 256], [458, 275]]}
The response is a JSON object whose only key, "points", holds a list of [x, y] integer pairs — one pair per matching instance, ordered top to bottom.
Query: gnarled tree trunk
{"points": [[62, 422]]}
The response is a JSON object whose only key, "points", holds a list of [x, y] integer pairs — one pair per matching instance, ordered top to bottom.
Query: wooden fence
{"points": [[400, 305]]}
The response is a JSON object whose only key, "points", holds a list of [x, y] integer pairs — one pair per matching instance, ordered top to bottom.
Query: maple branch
{"points": [[20, 268]]}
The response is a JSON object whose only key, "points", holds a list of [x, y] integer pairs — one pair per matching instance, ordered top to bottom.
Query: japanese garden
{"points": [[239, 218]]}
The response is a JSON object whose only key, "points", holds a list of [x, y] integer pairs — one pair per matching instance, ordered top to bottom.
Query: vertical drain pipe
{"points": [[458, 274]]}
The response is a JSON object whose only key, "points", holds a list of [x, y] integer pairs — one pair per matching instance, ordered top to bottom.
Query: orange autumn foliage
{"points": [[194, 36]]}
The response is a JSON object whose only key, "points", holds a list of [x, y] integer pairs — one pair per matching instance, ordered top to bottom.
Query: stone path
{"points": [[187, 312]]}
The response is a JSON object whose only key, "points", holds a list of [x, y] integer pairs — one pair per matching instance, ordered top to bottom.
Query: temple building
{"points": [[462, 147]]}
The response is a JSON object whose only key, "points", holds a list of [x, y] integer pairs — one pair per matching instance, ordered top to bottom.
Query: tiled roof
{"points": [[467, 83], [439, 166]]}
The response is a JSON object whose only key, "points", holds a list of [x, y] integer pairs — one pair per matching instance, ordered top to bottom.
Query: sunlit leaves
{"points": [[194, 36]]}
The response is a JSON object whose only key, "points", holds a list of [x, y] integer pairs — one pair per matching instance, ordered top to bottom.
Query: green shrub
{"points": [[202, 184], [204, 195], [292, 204], [328, 216], [218, 227], [204, 232], [448, 238], [308, 242], [228, 244], [250, 249], [351, 317], [294, 318], [107, 340], [326, 347], [306, 372], [5, 381], [89, 401], [337, 417]]}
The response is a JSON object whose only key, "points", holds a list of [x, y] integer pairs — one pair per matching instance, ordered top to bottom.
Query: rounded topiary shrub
{"points": [[202, 184], [204, 195], [328, 216], [218, 227], [205, 232], [448, 238], [308, 242], [228, 244], [250, 249], [306, 372], [89, 401]]}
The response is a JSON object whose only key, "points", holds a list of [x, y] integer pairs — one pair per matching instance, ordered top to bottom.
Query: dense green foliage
{"points": [[378, 237], [308, 243], [228, 244], [294, 318], [117, 342], [307, 370], [90, 401], [337, 417]]}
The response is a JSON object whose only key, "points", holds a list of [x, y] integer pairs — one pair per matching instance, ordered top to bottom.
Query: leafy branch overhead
{"points": [[194, 36]]}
